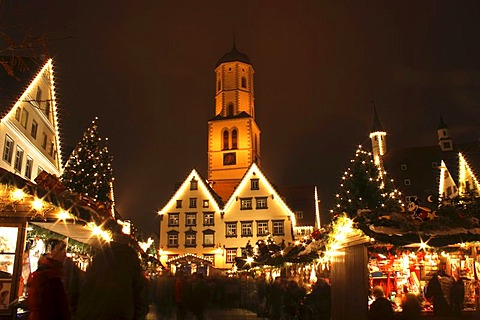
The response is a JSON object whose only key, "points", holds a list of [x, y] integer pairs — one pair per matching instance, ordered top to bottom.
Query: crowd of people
{"points": [[115, 287], [281, 298]]}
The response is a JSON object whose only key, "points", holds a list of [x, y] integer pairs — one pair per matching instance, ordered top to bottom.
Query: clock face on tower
{"points": [[229, 158]]}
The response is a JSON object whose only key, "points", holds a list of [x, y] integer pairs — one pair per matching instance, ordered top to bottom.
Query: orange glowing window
{"points": [[234, 139], [225, 140]]}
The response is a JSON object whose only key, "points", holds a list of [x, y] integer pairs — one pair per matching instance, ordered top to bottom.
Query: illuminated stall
{"points": [[31, 213]]}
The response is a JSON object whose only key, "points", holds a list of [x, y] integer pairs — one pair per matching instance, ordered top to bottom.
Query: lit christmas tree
{"points": [[89, 168], [365, 186]]}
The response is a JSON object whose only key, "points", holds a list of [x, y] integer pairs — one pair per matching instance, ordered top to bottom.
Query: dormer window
{"points": [[194, 184]]}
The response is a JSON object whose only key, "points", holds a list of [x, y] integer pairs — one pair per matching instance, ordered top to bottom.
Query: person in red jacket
{"points": [[46, 296]]}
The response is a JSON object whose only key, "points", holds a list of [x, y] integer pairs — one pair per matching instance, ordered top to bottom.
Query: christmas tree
{"points": [[89, 168], [365, 185]]}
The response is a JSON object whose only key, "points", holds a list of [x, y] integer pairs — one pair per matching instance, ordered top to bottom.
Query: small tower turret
{"points": [[378, 137], [444, 139]]}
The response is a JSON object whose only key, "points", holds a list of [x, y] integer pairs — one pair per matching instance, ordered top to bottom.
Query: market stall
{"points": [[29, 214]]}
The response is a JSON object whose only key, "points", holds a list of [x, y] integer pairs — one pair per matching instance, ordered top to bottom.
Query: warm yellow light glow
{"points": [[17, 195], [37, 204], [63, 215], [145, 245], [249, 260]]}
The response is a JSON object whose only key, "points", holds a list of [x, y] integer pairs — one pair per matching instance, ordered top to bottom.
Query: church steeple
{"points": [[233, 136], [378, 137], [444, 140]]}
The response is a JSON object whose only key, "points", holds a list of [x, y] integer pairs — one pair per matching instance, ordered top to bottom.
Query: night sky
{"points": [[145, 68]]}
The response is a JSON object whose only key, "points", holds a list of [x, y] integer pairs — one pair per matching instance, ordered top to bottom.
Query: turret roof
{"points": [[233, 55]]}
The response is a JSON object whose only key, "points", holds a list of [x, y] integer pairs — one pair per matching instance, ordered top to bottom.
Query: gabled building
{"points": [[29, 137], [429, 174], [216, 218]]}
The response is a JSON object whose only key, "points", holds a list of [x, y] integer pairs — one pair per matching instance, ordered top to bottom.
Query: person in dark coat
{"points": [[115, 287], [435, 294], [457, 295], [46, 296], [319, 300], [411, 307], [381, 308]]}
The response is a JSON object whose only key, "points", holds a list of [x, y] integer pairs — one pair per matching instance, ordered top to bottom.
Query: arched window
{"points": [[244, 82], [219, 85], [230, 109], [234, 139], [225, 140]]}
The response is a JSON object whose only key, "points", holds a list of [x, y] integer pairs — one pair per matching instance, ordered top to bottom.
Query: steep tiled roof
{"points": [[14, 82], [242, 114], [300, 198]]}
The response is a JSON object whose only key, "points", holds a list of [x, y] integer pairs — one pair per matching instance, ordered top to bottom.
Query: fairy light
{"points": [[17, 195], [37, 204]]}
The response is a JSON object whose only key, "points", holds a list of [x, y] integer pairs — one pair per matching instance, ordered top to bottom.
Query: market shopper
{"points": [[115, 287], [438, 292], [457, 295], [46, 296], [411, 307], [381, 308]]}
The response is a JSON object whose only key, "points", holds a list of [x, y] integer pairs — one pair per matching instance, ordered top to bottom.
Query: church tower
{"points": [[233, 134], [378, 137]]}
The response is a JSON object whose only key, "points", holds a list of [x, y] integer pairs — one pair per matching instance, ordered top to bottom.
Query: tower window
{"points": [[244, 82], [219, 85], [230, 109], [234, 139], [225, 140], [403, 167], [407, 182]]}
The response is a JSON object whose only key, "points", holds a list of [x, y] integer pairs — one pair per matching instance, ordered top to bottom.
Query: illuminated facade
{"points": [[29, 139], [431, 173], [215, 218]]}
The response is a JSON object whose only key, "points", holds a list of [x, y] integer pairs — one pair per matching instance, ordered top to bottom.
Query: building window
{"points": [[244, 82], [219, 85], [38, 98], [47, 109], [230, 109], [18, 112], [24, 119], [34, 129], [234, 139], [225, 140], [44, 141], [447, 145], [52, 148], [8, 149], [18, 159], [434, 165], [403, 167], [29, 168], [407, 182], [194, 184], [254, 185], [193, 202], [206, 203], [261, 203], [179, 204], [246, 204], [299, 214], [191, 219], [208, 219], [173, 220], [262, 228], [231, 229], [247, 229], [278, 229], [208, 238], [173, 239], [190, 239], [231, 255]]}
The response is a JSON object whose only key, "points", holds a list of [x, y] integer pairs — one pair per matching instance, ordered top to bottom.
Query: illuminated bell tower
{"points": [[233, 134], [379, 141]]}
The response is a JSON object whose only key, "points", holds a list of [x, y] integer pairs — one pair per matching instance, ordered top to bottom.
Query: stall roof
{"points": [[75, 231], [189, 258]]}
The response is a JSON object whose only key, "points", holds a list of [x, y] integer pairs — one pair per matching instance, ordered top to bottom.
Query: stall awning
{"points": [[75, 231], [189, 258]]}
